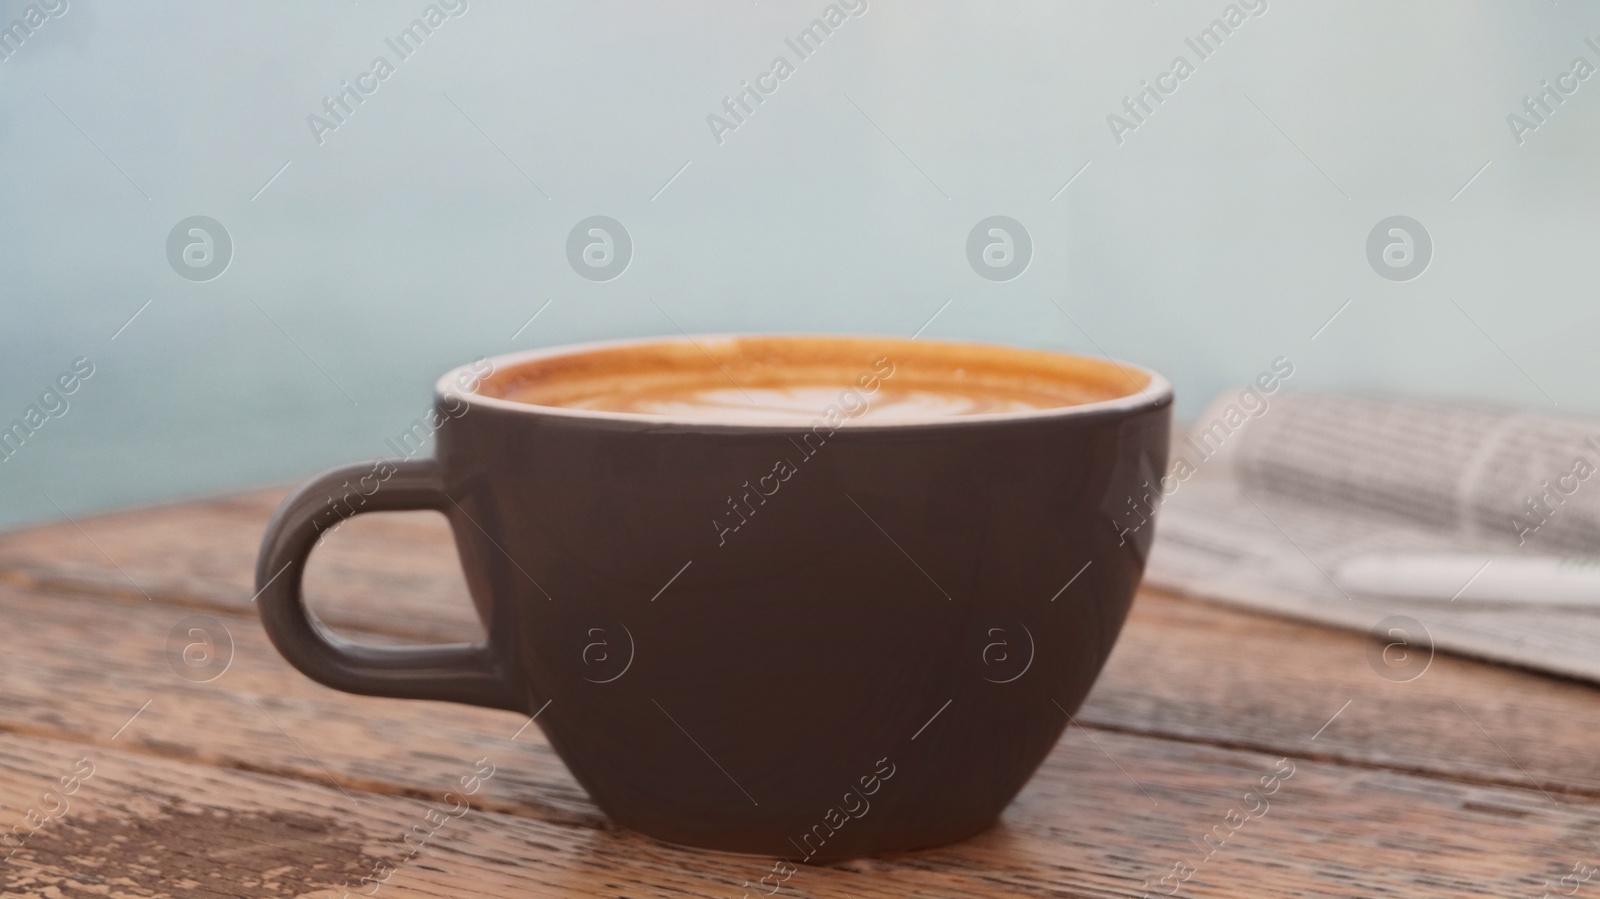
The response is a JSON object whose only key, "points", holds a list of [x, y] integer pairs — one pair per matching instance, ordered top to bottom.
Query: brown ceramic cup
{"points": [[809, 637]]}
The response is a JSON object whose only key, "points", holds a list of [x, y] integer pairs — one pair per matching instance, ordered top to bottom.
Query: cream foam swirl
{"points": [[802, 404]]}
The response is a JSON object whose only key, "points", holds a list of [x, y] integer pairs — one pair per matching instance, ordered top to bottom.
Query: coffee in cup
{"points": [[810, 597]]}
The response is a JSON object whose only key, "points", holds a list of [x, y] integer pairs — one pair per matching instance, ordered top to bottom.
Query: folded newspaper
{"points": [[1269, 498]]}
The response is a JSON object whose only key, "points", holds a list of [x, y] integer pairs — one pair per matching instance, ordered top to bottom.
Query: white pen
{"points": [[1475, 578]]}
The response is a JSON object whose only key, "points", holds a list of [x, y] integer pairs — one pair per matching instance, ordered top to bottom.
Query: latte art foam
{"points": [[841, 381], [804, 402]]}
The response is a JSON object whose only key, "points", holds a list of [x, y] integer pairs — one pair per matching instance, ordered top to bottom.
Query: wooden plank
{"points": [[391, 574], [129, 663], [80, 664], [1182, 669], [1191, 670], [260, 716], [242, 782], [141, 825]]}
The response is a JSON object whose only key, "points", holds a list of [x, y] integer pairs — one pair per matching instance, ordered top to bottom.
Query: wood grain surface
{"points": [[1470, 780]]}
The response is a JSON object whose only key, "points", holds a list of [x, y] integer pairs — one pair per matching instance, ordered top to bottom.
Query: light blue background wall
{"points": [[1222, 233]]}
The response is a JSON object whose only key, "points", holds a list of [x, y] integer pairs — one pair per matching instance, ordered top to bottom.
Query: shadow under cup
{"points": [[803, 597]]}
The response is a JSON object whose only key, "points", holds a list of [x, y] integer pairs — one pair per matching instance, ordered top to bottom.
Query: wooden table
{"points": [[148, 779]]}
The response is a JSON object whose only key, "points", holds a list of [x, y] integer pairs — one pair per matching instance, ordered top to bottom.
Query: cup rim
{"points": [[1155, 393]]}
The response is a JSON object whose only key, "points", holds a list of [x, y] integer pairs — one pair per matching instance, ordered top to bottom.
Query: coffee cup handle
{"points": [[468, 673]]}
